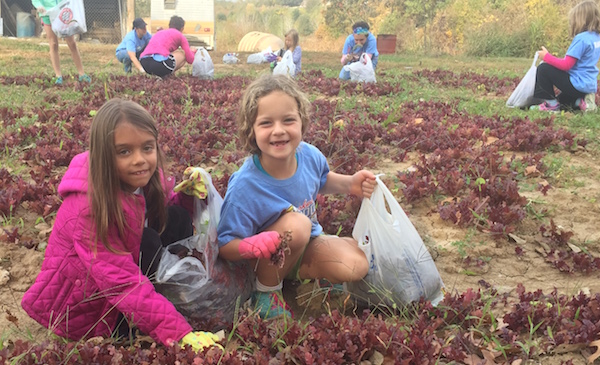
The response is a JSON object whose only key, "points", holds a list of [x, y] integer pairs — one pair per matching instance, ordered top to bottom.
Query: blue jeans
{"points": [[123, 57], [345, 75]]}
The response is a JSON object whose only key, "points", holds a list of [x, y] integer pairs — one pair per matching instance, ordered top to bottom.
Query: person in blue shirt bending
{"points": [[360, 41], [130, 49], [575, 75]]}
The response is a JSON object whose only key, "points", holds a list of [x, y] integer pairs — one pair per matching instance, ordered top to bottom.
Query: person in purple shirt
{"points": [[291, 44], [168, 50]]}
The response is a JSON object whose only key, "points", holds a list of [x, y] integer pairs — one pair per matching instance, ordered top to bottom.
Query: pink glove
{"points": [[260, 246]]}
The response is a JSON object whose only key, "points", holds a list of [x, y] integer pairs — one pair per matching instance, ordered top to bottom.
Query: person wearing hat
{"points": [[132, 46]]}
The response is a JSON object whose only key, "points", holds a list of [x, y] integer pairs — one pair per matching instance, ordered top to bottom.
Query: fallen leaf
{"points": [[490, 140], [531, 170], [449, 199], [517, 239], [544, 245], [574, 248], [4, 277], [566, 347], [596, 354], [490, 356], [377, 358], [473, 359]]}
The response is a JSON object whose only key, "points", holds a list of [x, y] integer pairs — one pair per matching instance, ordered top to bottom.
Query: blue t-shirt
{"points": [[132, 43], [369, 47], [584, 74], [255, 200]]}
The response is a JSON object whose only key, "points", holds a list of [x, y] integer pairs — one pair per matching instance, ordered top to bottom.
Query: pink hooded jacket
{"points": [[82, 286]]}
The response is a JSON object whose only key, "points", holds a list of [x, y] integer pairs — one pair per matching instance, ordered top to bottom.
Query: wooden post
{"points": [[130, 13]]}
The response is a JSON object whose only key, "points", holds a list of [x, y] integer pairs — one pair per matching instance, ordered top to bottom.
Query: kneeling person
{"points": [[132, 46]]}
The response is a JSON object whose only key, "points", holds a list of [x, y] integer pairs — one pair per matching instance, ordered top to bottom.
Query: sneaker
{"points": [[127, 67], [85, 78], [59, 81], [590, 102], [546, 107], [331, 288], [270, 304]]}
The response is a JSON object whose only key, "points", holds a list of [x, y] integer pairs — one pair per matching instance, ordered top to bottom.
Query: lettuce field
{"points": [[507, 202]]}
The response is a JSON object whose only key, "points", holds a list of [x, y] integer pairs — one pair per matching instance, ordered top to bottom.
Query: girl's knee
{"points": [[53, 44], [300, 228], [355, 266], [361, 268]]}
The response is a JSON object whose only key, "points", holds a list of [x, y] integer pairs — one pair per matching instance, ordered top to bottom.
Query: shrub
{"points": [[305, 25]]}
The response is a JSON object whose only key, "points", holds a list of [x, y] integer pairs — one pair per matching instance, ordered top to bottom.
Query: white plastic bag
{"points": [[68, 18], [230, 58], [256, 58], [203, 66], [286, 66], [361, 70], [522, 97], [401, 269], [203, 287]]}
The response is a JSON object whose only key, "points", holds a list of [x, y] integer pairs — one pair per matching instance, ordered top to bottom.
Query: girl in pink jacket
{"points": [[108, 237]]}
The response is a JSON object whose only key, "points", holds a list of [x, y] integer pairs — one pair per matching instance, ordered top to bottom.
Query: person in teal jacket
{"points": [[42, 7]]}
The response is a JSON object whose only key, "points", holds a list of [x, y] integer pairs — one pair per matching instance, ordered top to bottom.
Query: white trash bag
{"points": [[68, 18], [230, 58], [256, 58], [203, 66], [286, 66], [361, 70], [522, 97], [401, 269]]}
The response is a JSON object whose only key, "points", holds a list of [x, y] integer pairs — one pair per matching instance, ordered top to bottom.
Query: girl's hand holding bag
{"points": [[401, 269]]}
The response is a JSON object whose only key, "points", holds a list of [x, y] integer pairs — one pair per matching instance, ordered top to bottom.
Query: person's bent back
{"points": [[168, 50]]}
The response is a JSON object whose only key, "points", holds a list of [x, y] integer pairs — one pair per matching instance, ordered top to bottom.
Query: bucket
{"points": [[25, 25], [386, 43]]}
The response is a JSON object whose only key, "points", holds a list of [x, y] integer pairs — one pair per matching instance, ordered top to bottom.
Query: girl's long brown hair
{"points": [[584, 17], [104, 184]]}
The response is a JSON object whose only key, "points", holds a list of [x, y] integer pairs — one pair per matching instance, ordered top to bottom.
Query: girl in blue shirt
{"points": [[360, 41], [576, 74], [274, 192]]}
